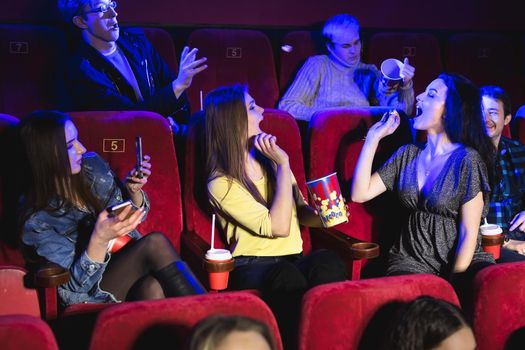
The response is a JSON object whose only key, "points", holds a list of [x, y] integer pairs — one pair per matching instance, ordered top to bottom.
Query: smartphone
{"points": [[138, 153], [118, 208]]}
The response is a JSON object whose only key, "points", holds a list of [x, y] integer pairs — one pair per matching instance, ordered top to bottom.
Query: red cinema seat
{"points": [[163, 43], [298, 46], [421, 49], [234, 56], [486, 59], [31, 72], [520, 127], [506, 131], [112, 136], [336, 139], [10, 190], [196, 238], [18, 293], [15, 297], [499, 306], [335, 316], [155, 324], [25, 332]]}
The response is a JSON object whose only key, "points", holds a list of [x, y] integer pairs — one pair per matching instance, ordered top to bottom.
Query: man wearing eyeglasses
{"points": [[120, 70]]}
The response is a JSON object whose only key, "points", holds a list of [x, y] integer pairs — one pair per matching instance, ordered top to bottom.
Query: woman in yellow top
{"points": [[254, 192]]}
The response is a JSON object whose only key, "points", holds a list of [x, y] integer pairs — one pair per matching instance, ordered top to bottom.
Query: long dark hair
{"points": [[464, 122], [226, 129], [43, 136], [423, 324]]}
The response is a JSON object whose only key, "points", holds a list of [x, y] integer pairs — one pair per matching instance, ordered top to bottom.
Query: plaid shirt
{"points": [[507, 195]]}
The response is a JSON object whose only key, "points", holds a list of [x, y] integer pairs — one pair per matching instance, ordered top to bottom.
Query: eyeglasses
{"points": [[103, 8]]}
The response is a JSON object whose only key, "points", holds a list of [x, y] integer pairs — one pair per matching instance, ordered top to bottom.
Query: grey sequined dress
{"points": [[428, 242]]}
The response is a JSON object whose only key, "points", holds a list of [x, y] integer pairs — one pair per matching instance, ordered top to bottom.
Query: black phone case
{"points": [[138, 152]]}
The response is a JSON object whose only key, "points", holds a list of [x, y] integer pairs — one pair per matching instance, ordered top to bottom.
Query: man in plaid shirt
{"points": [[506, 206]]}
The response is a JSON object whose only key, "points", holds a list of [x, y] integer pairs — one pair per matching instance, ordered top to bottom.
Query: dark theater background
{"points": [[377, 14], [492, 31]]}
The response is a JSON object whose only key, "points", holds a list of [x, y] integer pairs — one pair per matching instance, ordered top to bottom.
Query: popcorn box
{"points": [[328, 200]]}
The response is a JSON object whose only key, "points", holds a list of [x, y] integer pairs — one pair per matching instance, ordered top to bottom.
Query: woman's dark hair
{"points": [[498, 94], [464, 122], [226, 129], [43, 136], [423, 324], [210, 332]]}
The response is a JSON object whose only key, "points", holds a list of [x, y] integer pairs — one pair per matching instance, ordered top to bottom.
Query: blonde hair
{"points": [[340, 22]]}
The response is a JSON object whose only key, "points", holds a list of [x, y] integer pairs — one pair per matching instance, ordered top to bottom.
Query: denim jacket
{"points": [[61, 236]]}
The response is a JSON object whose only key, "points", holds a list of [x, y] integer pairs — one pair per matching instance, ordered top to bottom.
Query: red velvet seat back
{"points": [[163, 43], [302, 44], [421, 49], [234, 56], [487, 59], [32, 65], [284, 127], [520, 129], [506, 131], [112, 136], [336, 139], [10, 190], [196, 209], [197, 212], [15, 298], [499, 305], [334, 316], [171, 320], [26, 332]]}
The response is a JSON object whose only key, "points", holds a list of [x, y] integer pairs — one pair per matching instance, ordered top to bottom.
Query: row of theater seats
{"points": [[32, 58], [111, 134], [335, 142], [340, 316]]}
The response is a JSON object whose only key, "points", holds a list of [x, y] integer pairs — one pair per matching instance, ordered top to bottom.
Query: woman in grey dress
{"points": [[444, 183]]}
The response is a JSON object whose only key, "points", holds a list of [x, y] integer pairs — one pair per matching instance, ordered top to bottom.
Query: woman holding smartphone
{"points": [[66, 221]]}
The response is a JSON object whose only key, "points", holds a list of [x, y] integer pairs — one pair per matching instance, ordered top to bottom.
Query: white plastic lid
{"points": [[490, 229], [218, 254]]}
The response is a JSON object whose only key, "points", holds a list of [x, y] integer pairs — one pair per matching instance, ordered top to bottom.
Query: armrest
{"points": [[344, 244], [193, 250], [353, 251], [50, 275], [47, 276]]}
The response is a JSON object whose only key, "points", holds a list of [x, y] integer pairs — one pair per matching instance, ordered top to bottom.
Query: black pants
{"points": [[283, 280], [463, 285]]}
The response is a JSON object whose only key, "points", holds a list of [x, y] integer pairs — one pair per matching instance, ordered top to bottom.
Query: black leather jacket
{"points": [[95, 84]]}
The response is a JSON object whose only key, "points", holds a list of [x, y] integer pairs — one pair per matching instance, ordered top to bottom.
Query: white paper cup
{"points": [[391, 72]]}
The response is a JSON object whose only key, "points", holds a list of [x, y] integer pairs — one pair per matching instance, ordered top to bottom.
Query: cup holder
{"points": [[365, 250], [51, 275]]}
